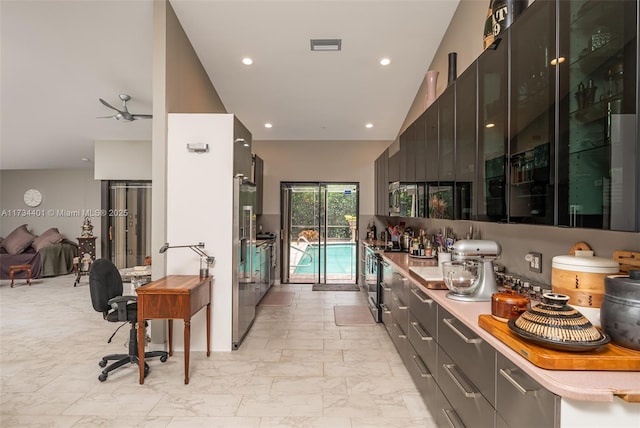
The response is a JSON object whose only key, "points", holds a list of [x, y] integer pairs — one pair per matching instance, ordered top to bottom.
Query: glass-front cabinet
{"points": [[532, 125], [466, 131], [492, 131], [597, 153], [440, 192]]}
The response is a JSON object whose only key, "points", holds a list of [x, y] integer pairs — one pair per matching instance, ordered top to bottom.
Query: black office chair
{"points": [[105, 285]]}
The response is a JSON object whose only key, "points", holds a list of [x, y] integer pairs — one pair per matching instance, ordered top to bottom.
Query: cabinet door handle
{"points": [[385, 287], [416, 292], [384, 308], [403, 308], [448, 322], [398, 332], [423, 336], [422, 368], [449, 368], [506, 373], [452, 418]]}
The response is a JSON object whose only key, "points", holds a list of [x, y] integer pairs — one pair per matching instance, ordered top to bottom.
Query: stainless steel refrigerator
{"points": [[244, 242]]}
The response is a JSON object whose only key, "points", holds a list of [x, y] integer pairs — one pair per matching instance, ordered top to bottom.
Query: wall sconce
{"points": [[198, 147], [205, 260]]}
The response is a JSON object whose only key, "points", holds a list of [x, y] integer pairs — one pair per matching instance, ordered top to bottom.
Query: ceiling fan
{"points": [[123, 114]]}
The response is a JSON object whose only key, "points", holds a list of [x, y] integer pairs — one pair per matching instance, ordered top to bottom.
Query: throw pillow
{"points": [[49, 237], [18, 240]]}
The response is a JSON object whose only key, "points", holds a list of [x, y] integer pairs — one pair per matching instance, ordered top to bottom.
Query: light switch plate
{"points": [[535, 265]]}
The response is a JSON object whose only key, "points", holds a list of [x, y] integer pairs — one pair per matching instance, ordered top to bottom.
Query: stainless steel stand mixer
{"points": [[483, 252]]}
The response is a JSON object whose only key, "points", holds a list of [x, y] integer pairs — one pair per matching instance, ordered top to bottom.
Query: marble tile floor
{"points": [[296, 368]]}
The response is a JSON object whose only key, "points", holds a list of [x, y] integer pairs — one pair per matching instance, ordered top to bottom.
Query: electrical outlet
{"points": [[535, 264]]}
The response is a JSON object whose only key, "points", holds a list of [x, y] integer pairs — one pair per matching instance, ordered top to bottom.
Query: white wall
{"points": [[122, 160], [351, 161], [67, 194], [200, 209]]}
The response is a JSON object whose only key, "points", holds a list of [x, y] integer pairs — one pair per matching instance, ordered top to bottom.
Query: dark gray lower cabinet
{"points": [[473, 356], [463, 380], [523, 402], [473, 409]]}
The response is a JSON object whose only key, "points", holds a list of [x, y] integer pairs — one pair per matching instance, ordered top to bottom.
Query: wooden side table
{"points": [[86, 245], [19, 268]]}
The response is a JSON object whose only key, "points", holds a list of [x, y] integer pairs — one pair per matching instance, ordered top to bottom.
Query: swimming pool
{"points": [[341, 259]]}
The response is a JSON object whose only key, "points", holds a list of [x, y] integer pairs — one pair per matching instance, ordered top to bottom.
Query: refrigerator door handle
{"points": [[243, 250]]}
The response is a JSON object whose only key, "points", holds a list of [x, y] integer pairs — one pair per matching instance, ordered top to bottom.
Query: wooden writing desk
{"points": [[171, 297]]}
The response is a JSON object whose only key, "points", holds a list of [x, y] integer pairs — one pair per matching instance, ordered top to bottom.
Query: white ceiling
{"points": [[59, 57]]}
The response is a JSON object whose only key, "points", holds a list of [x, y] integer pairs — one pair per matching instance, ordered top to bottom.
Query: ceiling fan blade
{"points": [[109, 105], [141, 116], [107, 117]]}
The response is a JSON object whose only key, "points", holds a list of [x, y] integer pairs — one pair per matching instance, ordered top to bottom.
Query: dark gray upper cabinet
{"points": [[532, 117], [542, 128], [492, 131], [431, 140], [466, 144], [420, 148], [598, 149], [409, 150], [394, 167], [258, 178], [382, 184], [440, 194]]}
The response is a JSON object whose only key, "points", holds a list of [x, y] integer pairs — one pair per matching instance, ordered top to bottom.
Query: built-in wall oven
{"points": [[371, 281]]}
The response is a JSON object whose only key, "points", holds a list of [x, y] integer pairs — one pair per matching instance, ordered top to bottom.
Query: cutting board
{"points": [[429, 276], [607, 357]]}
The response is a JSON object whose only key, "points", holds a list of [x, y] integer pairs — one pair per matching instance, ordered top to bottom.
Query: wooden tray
{"points": [[607, 357]]}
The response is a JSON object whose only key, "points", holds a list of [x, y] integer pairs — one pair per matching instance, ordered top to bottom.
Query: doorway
{"points": [[129, 222], [320, 232]]}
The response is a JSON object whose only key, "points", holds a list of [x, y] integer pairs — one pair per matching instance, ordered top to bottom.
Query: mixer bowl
{"points": [[460, 276]]}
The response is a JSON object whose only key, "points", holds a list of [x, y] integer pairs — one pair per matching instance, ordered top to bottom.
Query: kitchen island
{"points": [[584, 398]]}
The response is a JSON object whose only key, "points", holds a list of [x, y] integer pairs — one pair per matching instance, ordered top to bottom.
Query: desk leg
{"points": [[208, 329], [170, 337], [141, 340], [187, 347]]}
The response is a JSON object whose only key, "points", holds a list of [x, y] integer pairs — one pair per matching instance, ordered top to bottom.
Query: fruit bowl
{"points": [[460, 276]]}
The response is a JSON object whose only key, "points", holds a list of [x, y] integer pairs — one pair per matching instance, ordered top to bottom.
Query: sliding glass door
{"points": [[129, 225], [320, 239]]}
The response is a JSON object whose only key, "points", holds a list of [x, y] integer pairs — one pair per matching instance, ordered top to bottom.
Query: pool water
{"points": [[340, 259]]}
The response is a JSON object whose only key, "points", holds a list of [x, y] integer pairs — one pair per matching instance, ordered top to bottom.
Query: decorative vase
{"points": [[453, 73], [432, 80]]}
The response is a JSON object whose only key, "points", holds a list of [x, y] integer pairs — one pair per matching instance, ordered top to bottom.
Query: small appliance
{"points": [[484, 252]]}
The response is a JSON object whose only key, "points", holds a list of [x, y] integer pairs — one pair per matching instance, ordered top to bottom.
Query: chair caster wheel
{"points": [[163, 359], [103, 363], [146, 371], [102, 377]]}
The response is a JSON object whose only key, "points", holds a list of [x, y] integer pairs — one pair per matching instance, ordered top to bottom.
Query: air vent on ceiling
{"points": [[326, 44]]}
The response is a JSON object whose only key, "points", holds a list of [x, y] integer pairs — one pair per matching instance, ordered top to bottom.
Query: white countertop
{"points": [[575, 384]]}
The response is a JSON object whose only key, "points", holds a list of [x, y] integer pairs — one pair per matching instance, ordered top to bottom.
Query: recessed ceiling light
{"points": [[247, 61], [385, 61], [557, 61], [268, 125], [369, 125], [85, 159]]}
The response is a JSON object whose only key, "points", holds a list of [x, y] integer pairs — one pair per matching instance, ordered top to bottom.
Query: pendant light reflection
{"points": [[557, 61]]}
